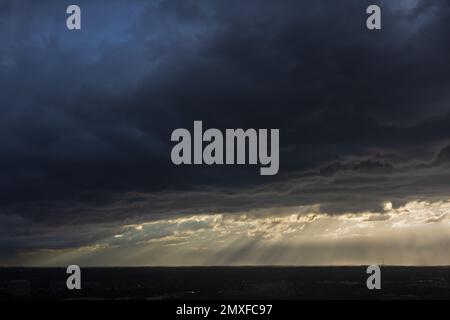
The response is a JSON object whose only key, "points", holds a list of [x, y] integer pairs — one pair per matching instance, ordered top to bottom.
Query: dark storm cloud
{"points": [[86, 116]]}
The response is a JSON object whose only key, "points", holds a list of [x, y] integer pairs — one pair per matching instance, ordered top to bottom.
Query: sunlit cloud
{"points": [[416, 233]]}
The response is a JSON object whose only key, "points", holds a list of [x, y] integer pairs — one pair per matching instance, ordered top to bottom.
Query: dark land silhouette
{"points": [[191, 283]]}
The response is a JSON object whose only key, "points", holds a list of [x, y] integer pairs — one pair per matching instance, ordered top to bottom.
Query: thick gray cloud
{"points": [[86, 116]]}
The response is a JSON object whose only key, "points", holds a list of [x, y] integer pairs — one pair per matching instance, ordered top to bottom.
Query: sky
{"points": [[86, 118]]}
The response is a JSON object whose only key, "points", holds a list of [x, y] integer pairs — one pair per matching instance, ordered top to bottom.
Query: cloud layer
{"points": [[86, 117]]}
